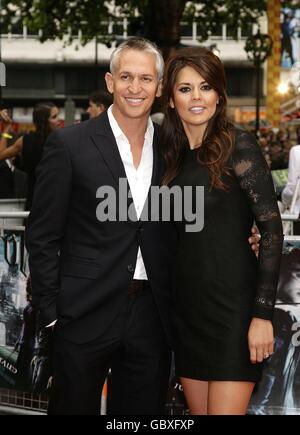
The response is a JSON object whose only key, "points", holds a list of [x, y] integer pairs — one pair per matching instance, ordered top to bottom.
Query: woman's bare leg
{"points": [[196, 394], [217, 398], [229, 398]]}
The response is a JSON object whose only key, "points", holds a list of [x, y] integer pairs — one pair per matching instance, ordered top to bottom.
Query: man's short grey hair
{"points": [[140, 44]]}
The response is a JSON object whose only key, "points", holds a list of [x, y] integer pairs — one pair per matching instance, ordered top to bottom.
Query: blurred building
{"points": [[50, 71]]}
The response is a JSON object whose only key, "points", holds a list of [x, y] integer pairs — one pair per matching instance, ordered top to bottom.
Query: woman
{"points": [[28, 149], [223, 296]]}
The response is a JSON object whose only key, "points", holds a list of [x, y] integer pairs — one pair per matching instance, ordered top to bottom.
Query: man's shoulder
{"points": [[74, 130], [77, 133]]}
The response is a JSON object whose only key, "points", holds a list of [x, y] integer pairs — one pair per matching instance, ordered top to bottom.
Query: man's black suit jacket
{"points": [[80, 267]]}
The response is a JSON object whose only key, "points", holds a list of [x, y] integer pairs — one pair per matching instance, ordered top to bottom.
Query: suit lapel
{"points": [[106, 144], [157, 159]]}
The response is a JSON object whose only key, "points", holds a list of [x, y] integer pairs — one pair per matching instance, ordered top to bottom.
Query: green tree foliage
{"points": [[58, 18], [158, 20]]}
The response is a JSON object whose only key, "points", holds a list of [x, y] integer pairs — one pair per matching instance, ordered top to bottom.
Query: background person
{"points": [[99, 101], [28, 149], [293, 175], [7, 181]]}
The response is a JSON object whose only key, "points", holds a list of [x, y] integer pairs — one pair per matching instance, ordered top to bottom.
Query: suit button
{"points": [[130, 268]]}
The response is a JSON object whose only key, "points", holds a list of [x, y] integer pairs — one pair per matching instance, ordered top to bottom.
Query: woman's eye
{"points": [[206, 88], [184, 90]]}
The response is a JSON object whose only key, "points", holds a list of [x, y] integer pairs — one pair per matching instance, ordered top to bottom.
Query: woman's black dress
{"points": [[219, 285]]}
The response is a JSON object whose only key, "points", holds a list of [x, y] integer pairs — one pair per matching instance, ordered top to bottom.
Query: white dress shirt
{"points": [[293, 174], [139, 179]]}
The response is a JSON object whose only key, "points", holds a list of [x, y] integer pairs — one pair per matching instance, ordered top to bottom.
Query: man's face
{"points": [[134, 84], [94, 110]]}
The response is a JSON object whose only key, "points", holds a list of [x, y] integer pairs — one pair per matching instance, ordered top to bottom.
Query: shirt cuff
{"points": [[51, 324]]}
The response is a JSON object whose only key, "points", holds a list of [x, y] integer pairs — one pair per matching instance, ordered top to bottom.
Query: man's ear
{"points": [[109, 82], [159, 89]]}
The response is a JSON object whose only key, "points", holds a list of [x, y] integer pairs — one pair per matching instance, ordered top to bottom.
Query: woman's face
{"points": [[194, 99], [54, 120], [289, 284]]}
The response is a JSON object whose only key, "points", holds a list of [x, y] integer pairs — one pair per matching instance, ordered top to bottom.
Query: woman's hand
{"points": [[7, 121], [260, 340]]}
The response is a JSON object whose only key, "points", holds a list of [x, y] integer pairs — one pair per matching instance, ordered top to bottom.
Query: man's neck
{"points": [[133, 128]]}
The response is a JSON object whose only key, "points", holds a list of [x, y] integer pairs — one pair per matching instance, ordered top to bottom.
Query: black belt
{"points": [[136, 286]]}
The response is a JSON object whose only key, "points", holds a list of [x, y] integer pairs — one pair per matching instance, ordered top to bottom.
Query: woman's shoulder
{"points": [[243, 135], [243, 140]]}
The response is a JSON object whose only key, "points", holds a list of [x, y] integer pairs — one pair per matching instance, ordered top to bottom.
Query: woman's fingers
{"points": [[261, 340], [253, 357]]}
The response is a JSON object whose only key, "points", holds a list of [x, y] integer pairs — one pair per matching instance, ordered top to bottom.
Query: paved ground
{"points": [[7, 410]]}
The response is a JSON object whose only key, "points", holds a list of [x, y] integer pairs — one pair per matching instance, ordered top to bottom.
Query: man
{"points": [[98, 102], [107, 282], [109, 285]]}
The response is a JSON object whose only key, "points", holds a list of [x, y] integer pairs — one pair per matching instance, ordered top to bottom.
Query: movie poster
{"points": [[12, 304], [24, 359], [278, 393]]}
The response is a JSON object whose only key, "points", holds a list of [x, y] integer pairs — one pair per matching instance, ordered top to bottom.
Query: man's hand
{"points": [[254, 240]]}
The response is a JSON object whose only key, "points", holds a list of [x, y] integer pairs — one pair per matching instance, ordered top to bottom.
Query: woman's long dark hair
{"points": [[41, 115], [218, 140]]}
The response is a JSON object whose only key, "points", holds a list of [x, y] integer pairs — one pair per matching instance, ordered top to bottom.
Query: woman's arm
{"points": [[6, 120], [13, 150], [256, 181]]}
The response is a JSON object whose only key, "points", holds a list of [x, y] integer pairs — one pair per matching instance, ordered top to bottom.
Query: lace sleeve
{"points": [[255, 179]]}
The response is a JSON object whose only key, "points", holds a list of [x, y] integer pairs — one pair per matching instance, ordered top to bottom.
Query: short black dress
{"points": [[219, 285]]}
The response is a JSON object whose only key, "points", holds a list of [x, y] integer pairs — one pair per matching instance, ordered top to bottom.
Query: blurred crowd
{"points": [[276, 145], [20, 155]]}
